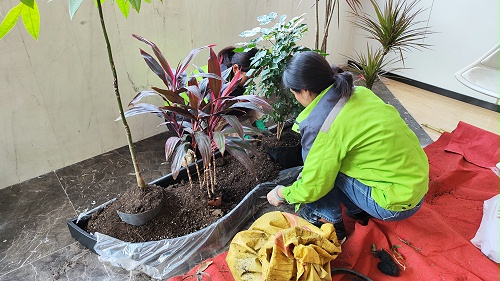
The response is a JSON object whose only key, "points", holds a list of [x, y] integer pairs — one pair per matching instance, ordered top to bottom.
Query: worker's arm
{"points": [[319, 173]]}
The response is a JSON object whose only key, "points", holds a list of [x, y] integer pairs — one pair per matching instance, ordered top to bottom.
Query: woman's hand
{"points": [[275, 197]]}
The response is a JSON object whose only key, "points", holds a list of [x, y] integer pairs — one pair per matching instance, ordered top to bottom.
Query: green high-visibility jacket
{"points": [[368, 141]]}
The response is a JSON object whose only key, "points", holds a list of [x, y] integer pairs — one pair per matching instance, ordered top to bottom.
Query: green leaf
{"points": [[29, 3], [136, 4], [124, 6], [73, 7], [10, 19], [31, 20]]}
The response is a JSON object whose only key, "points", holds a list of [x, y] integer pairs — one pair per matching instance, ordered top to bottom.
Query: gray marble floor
{"points": [[35, 243]]}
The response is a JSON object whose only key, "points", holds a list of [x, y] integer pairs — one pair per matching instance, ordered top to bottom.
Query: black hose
{"points": [[350, 272]]}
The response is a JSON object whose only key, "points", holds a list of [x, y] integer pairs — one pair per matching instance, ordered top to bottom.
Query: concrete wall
{"points": [[465, 30], [57, 103]]}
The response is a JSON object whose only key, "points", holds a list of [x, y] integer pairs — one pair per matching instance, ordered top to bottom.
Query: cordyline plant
{"points": [[396, 29], [276, 44], [200, 120]]}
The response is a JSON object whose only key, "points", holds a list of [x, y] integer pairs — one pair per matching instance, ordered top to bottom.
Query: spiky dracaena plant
{"points": [[395, 28], [371, 65], [201, 121]]}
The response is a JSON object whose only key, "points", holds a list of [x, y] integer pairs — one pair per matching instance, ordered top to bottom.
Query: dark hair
{"points": [[227, 57], [311, 71]]}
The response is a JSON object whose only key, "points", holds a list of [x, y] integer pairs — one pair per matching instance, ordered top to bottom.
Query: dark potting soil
{"points": [[288, 138], [186, 209]]}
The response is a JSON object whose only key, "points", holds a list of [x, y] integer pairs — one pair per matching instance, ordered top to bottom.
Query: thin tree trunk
{"points": [[316, 44], [138, 175]]}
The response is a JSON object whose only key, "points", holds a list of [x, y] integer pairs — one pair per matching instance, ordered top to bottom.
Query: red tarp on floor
{"points": [[439, 234]]}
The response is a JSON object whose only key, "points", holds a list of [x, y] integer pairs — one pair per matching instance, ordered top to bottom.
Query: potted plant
{"points": [[396, 29], [277, 44], [200, 122], [181, 251]]}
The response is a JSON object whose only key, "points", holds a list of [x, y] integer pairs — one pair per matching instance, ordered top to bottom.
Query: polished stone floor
{"points": [[35, 243]]}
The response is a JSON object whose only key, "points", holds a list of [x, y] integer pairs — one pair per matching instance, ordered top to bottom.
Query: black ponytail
{"points": [[227, 57], [310, 71], [344, 84]]}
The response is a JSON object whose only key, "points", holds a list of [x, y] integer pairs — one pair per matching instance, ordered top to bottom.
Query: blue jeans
{"points": [[356, 197]]}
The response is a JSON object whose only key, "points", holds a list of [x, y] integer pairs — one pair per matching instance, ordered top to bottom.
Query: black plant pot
{"points": [[286, 156], [140, 218]]}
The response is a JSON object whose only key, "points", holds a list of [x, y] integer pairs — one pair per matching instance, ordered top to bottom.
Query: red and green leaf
{"points": [[159, 55], [182, 66], [214, 67], [156, 68], [232, 85], [142, 95], [170, 96], [259, 101], [142, 108], [179, 110], [235, 123], [220, 141], [203, 144], [170, 145], [179, 154], [240, 154]]}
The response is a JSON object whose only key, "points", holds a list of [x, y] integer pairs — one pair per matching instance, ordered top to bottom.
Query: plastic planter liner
{"points": [[169, 257]]}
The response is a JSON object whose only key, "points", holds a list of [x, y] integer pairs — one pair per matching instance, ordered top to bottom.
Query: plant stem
{"points": [[330, 8], [279, 129], [187, 170], [205, 173], [211, 175], [138, 176], [200, 177], [215, 177]]}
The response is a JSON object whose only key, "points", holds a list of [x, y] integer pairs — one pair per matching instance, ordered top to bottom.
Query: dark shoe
{"points": [[308, 215], [362, 216], [340, 230]]}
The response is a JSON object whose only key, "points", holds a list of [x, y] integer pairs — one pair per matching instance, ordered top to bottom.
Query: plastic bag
{"points": [[486, 238], [168, 257]]}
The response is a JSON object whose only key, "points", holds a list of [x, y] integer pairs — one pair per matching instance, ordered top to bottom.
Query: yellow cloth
{"points": [[281, 246]]}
